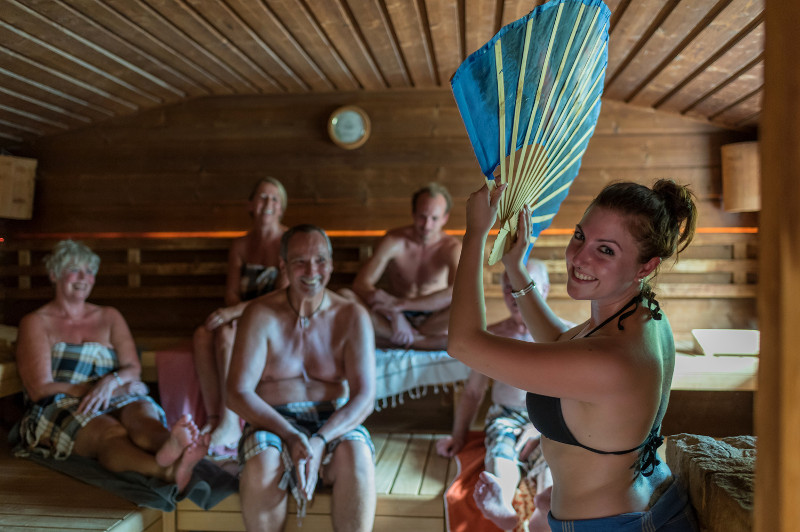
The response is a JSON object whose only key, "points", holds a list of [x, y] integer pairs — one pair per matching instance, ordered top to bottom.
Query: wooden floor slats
{"points": [[411, 479], [410, 482], [35, 498]]}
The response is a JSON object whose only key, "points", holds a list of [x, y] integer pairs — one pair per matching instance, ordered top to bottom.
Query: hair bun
{"points": [[679, 202]]}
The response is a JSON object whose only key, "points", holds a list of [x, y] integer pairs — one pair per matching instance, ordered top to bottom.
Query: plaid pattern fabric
{"points": [[257, 280], [308, 417], [50, 425], [504, 428]]}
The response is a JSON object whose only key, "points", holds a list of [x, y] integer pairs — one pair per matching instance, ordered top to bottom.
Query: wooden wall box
{"points": [[741, 177], [17, 179]]}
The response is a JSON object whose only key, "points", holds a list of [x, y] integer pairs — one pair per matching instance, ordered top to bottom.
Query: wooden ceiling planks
{"points": [[515, 9], [737, 19], [101, 23], [480, 23], [634, 23], [374, 24], [302, 25], [410, 27], [445, 28], [201, 30], [343, 32], [665, 38], [170, 43], [281, 43], [249, 44], [54, 46], [117, 57], [38, 58], [74, 62], [34, 72], [706, 80], [740, 88], [47, 104], [33, 105], [743, 111], [33, 124]]}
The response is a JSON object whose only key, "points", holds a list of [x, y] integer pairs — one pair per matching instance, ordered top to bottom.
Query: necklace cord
{"points": [[303, 319]]}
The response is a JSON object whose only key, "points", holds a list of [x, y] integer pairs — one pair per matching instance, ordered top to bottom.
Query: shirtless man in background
{"points": [[415, 266], [297, 353]]}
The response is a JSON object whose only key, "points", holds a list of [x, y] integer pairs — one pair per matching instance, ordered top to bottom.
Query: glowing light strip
{"points": [[334, 233]]}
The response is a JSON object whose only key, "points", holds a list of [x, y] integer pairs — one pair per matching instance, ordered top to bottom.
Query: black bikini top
{"points": [[547, 416]]}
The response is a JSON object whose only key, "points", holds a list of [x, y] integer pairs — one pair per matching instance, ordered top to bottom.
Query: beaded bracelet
{"points": [[519, 293], [116, 378], [321, 437]]}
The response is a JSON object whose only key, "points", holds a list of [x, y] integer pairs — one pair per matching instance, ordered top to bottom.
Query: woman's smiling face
{"points": [[603, 257], [76, 281]]}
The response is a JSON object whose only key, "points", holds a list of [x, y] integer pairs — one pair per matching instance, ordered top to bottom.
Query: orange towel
{"points": [[461, 511]]}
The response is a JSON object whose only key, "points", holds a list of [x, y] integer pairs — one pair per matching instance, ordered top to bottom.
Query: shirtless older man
{"points": [[417, 265], [297, 353]]}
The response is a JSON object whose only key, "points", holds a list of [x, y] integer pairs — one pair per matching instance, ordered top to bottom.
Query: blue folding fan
{"points": [[530, 99]]}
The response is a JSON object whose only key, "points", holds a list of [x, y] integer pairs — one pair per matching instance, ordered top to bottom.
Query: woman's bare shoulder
{"points": [[239, 245], [109, 313], [36, 319]]}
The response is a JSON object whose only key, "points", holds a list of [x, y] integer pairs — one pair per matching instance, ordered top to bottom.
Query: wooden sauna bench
{"points": [[165, 286], [410, 481], [35, 498]]}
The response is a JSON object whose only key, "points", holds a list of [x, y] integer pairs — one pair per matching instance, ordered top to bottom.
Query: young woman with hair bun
{"points": [[597, 391]]}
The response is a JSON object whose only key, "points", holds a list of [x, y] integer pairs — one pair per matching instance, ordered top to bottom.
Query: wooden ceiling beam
{"points": [[336, 20], [409, 21], [443, 21], [481, 22], [197, 24], [730, 24], [376, 27], [632, 31], [308, 33], [86, 35], [49, 37], [160, 37], [279, 43], [254, 51], [45, 57], [97, 59], [27, 68], [708, 77], [25, 92], [731, 93], [742, 111], [40, 112]]}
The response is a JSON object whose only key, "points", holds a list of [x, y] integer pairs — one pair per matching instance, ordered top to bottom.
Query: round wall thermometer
{"points": [[349, 127]]}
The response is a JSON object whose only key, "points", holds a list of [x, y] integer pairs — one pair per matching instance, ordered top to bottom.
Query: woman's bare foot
{"points": [[184, 432], [228, 432], [192, 454], [489, 498]]}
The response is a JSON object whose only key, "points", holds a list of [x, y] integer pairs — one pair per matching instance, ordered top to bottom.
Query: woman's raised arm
{"points": [[542, 323]]}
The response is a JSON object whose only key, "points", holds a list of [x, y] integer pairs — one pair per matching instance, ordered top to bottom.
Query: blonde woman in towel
{"points": [[252, 271], [80, 374], [597, 391]]}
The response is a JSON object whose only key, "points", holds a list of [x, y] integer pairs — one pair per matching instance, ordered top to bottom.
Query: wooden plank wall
{"points": [[189, 167], [166, 287]]}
